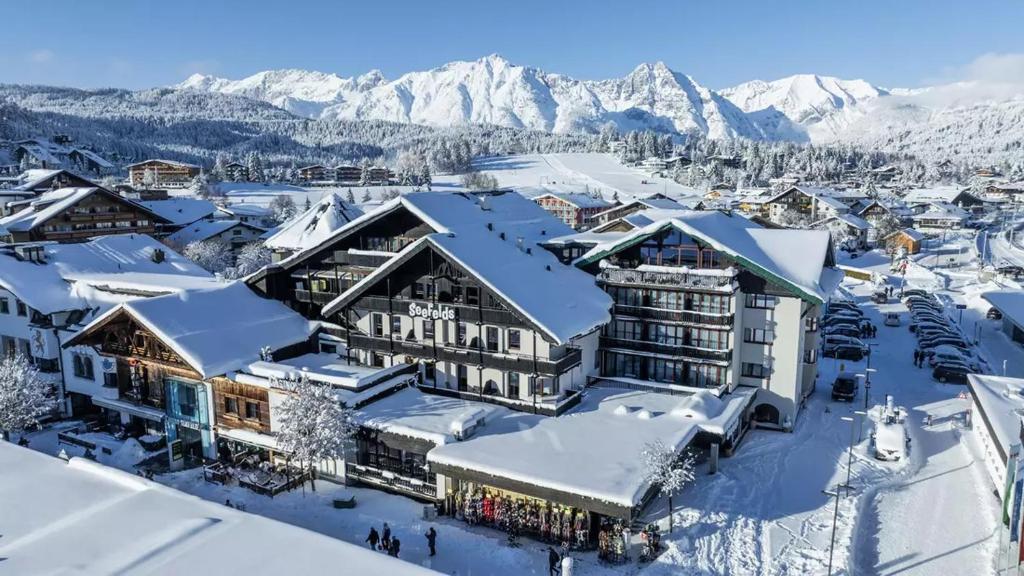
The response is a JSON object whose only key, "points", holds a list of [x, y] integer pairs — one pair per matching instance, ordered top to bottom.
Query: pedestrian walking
{"points": [[874, 330], [917, 357], [373, 538], [385, 539], [431, 540], [396, 544], [553, 561]]}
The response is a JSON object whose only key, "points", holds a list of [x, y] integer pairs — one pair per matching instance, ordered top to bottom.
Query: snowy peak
{"points": [[824, 105]]}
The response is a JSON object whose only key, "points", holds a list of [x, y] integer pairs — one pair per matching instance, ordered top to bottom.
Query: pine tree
{"points": [[254, 166], [350, 197], [24, 396], [314, 424]]}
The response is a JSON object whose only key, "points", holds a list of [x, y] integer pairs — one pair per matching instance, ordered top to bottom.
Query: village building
{"points": [[59, 153], [236, 172], [313, 173], [162, 174], [347, 174], [883, 174], [379, 176], [1007, 191], [921, 199], [653, 202], [803, 204], [577, 210], [180, 211], [247, 213], [75, 214], [940, 216], [882, 217], [312, 227], [853, 231], [234, 233], [908, 240], [49, 291], [704, 300], [1011, 304], [167, 354], [995, 411]]}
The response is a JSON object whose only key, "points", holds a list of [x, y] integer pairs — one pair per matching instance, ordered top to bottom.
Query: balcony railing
{"points": [[696, 280], [321, 298], [465, 312], [688, 316], [675, 350], [471, 356], [375, 477]]}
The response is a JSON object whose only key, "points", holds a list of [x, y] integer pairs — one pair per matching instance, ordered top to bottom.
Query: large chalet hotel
{"points": [[486, 349]]}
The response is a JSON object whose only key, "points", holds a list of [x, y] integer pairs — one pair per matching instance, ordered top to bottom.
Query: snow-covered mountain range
{"points": [[491, 90]]}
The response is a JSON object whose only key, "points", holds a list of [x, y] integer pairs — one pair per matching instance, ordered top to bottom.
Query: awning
{"points": [[147, 412], [249, 437]]}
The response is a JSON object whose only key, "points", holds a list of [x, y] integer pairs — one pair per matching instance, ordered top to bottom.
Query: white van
{"points": [[892, 319]]}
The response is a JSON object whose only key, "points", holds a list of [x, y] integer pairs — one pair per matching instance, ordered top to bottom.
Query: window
{"points": [[235, 232], [417, 291], [472, 295], [760, 301], [5, 306], [22, 309], [811, 323], [377, 325], [396, 326], [428, 329], [758, 336], [461, 338], [492, 338], [513, 339], [328, 348], [810, 356], [82, 366], [750, 370], [429, 372], [462, 376], [110, 380], [513, 385], [188, 399], [230, 405], [252, 410]]}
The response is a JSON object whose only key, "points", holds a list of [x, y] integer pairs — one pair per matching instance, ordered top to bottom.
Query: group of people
{"points": [[868, 330], [919, 358], [384, 541]]}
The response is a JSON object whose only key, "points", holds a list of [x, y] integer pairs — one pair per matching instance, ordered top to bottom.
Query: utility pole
{"points": [[835, 518]]}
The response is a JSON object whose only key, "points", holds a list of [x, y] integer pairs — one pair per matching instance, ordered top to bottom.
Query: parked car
{"points": [[913, 292], [880, 297], [837, 305], [925, 306], [994, 314], [929, 315], [892, 319], [928, 325], [844, 330], [927, 331], [835, 339], [932, 342], [844, 352], [949, 355], [951, 372], [845, 387], [890, 440]]}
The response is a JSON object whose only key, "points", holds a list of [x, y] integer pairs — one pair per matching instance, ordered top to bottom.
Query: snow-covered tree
{"points": [[254, 166], [364, 172], [219, 173], [149, 178], [478, 181], [201, 186], [350, 197], [366, 197], [282, 208], [212, 255], [251, 259], [24, 396], [314, 424], [667, 471]]}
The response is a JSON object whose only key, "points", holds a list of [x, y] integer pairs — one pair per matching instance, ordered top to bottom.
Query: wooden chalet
{"points": [[76, 214]]}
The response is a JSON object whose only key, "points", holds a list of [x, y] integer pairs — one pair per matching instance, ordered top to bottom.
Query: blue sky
{"points": [[143, 43]]}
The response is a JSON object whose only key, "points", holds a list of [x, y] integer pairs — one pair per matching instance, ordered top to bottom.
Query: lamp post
{"points": [[867, 376], [849, 453], [835, 518]]}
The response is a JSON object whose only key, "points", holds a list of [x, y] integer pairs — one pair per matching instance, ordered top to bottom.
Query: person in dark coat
{"points": [[917, 357], [373, 538], [385, 540], [431, 540], [395, 545], [553, 560]]}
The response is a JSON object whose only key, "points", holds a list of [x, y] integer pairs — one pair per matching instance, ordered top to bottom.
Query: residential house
{"points": [[59, 153], [236, 172], [313, 173], [162, 174], [347, 174], [654, 202], [804, 203], [577, 210], [75, 214], [940, 215], [312, 227], [233, 233], [907, 239]]}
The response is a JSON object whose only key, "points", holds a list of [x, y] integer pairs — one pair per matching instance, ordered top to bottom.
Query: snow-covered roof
{"points": [[162, 161], [928, 195], [577, 200], [50, 204], [247, 209], [181, 210], [942, 211], [855, 221], [314, 225], [204, 230], [909, 233], [481, 234], [792, 257], [99, 273], [1009, 302], [216, 330], [999, 398], [436, 419], [558, 453], [84, 517]]}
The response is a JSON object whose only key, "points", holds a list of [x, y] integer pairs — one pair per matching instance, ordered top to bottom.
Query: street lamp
{"points": [[867, 375], [849, 454], [835, 518]]}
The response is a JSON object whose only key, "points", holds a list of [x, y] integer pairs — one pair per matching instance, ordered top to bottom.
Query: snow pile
{"points": [[315, 225], [702, 404], [436, 419], [127, 456]]}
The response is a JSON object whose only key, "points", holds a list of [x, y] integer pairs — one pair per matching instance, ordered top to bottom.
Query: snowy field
{"points": [[535, 174]]}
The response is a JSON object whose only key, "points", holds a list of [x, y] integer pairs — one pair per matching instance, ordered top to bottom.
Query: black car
{"points": [[913, 292], [994, 314], [843, 330], [844, 352], [955, 373], [845, 387]]}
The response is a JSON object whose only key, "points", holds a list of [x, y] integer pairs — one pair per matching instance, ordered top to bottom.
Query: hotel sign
{"points": [[431, 312]]}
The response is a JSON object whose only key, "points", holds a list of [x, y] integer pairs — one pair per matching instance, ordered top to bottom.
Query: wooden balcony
{"points": [[710, 281], [684, 316], [679, 351]]}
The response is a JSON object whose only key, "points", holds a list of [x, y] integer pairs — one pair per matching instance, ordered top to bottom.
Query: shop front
{"points": [[187, 426], [395, 463], [519, 509]]}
